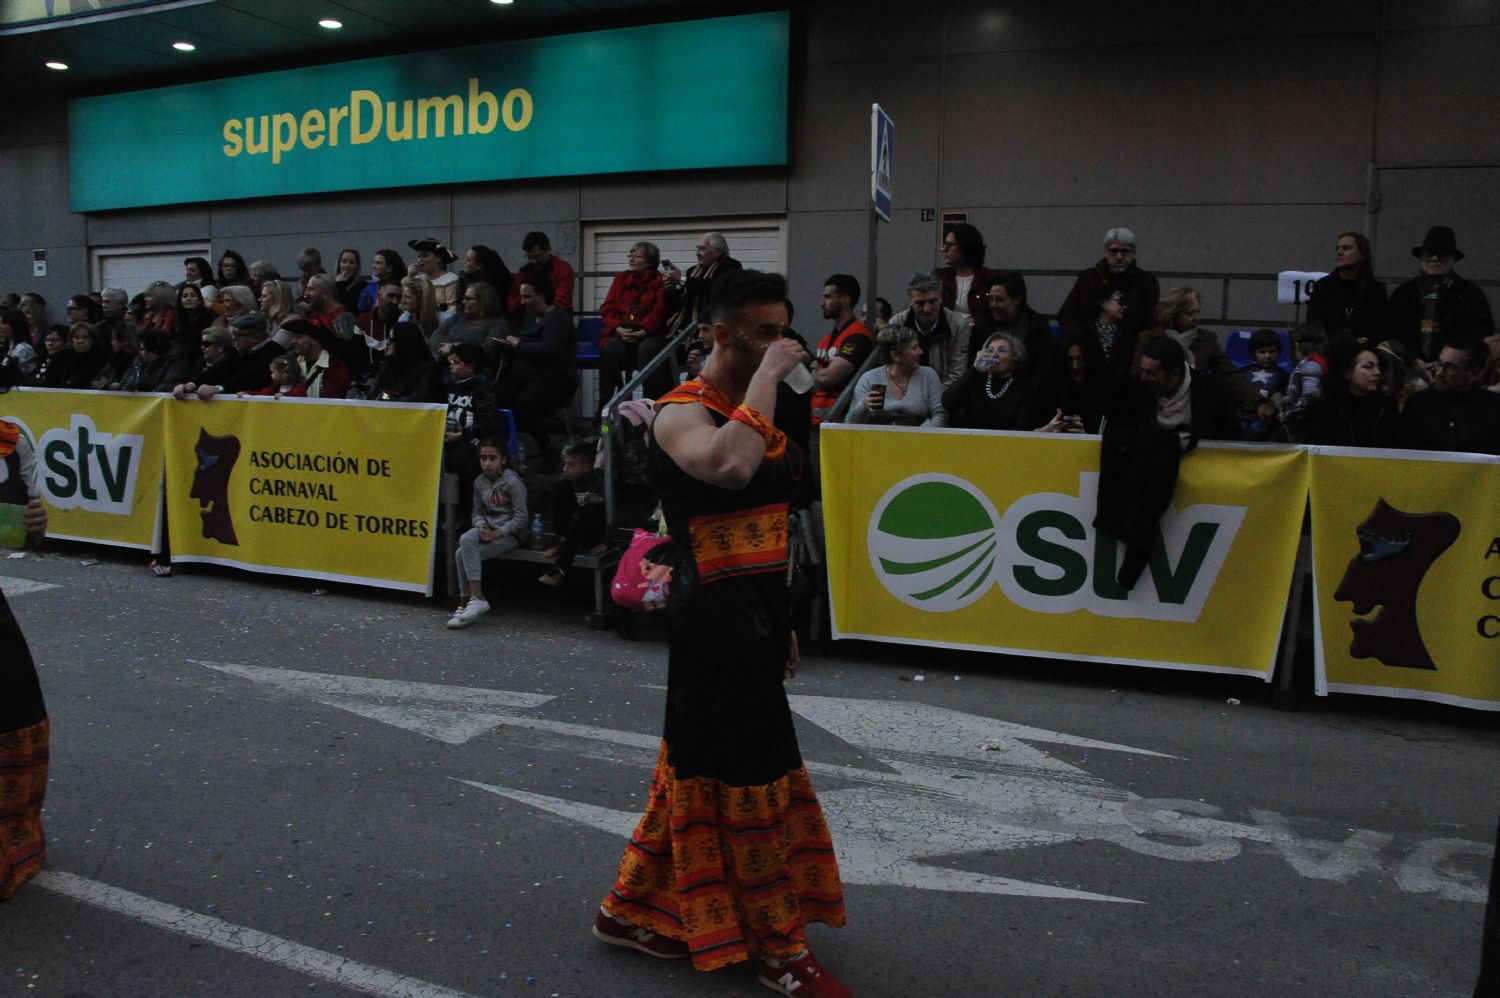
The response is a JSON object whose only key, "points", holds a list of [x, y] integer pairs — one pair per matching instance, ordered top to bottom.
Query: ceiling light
{"points": [[502, 3], [330, 24], [184, 46], [57, 65]]}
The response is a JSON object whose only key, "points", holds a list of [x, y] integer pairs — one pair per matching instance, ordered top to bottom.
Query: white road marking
{"points": [[20, 587], [452, 714], [953, 784], [860, 862], [238, 939]]}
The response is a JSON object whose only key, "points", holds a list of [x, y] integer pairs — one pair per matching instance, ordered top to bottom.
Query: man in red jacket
{"points": [[539, 258]]}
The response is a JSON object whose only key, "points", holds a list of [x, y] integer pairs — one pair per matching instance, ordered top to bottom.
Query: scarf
{"points": [[1431, 328], [1175, 411]]}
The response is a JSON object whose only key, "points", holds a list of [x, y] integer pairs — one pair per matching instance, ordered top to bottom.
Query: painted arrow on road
{"points": [[451, 714], [952, 784]]}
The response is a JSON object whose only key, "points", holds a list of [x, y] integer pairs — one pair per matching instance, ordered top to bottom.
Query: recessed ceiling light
{"points": [[502, 3], [330, 24], [184, 46], [57, 65]]}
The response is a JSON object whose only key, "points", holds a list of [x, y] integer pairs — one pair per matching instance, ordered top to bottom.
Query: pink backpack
{"points": [[640, 584]]}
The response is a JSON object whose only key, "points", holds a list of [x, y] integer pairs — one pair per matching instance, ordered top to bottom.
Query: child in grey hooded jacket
{"points": [[499, 526]]}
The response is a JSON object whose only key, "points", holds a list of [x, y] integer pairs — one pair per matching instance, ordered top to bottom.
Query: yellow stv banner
{"points": [[99, 457], [345, 491], [991, 546], [1406, 561]]}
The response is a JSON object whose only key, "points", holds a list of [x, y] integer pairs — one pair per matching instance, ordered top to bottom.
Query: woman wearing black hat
{"points": [[432, 262], [1437, 303]]}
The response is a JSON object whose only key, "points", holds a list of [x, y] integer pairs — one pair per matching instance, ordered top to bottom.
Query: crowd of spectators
{"points": [[968, 349], [1419, 368]]}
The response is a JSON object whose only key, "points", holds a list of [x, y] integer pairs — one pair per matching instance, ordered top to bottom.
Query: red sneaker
{"points": [[617, 933], [802, 978]]}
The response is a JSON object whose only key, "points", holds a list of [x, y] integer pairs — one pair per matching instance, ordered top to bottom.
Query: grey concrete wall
{"points": [[1231, 138]]}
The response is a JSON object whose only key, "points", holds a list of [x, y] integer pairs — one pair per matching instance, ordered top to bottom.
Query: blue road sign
{"points": [[882, 149]]}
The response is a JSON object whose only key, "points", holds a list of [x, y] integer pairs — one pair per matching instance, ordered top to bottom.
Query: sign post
{"points": [[882, 151], [1294, 287]]}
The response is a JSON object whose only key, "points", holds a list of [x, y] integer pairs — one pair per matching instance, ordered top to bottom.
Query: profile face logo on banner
{"points": [[216, 460], [936, 543], [1396, 550]]}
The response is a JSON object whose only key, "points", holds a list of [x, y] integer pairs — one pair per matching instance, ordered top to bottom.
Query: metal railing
{"points": [[609, 419]]}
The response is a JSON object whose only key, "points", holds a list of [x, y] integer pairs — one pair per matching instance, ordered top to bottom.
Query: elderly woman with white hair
{"points": [[995, 393]]}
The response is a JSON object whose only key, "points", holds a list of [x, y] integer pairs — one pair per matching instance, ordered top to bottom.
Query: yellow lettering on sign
{"points": [[482, 98], [437, 105], [517, 109], [335, 115], [370, 117], [312, 129], [391, 131], [283, 135], [361, 136], [233, 144], [251, 146]]}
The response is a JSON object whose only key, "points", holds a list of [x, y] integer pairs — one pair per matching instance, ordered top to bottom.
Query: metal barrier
{"points": [[610, 417]]}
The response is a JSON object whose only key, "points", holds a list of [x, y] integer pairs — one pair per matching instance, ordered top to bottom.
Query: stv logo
{"points": [[936, 543]]}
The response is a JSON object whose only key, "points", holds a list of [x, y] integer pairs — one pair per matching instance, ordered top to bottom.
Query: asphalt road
{"points": [[261, 788]]}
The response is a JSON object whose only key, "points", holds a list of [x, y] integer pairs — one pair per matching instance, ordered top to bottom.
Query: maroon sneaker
{"points": [[616, 933], [802, 978]]}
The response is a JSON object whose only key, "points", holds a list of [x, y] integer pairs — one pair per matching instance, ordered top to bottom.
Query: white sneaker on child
{"points": [[468, 613]]}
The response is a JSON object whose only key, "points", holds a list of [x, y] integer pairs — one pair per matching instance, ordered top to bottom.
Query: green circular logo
{"points": [[932, 541]]}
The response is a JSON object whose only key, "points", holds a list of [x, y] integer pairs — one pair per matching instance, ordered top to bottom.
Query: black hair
{"points": [[536, 240], [970, 242], [398, 266], [492, 268], [205, 269], [1366, 272], [220, 281], [540, 282], [1013, 283], [845, 285], [742, 288], [881, 303], [94, 309], [790, 310], [20, 328], [1310, 334], [1263, 338], [158, 341], [1473, 346], [1342, 352], [470, 353], [1168, 353], [494, 442], [580, 448]]}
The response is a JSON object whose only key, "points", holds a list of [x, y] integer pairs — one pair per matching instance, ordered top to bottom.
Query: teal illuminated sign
{"points": [[566, 105]]}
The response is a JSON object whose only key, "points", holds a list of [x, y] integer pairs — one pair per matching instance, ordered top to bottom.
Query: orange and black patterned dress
{"points": [[23, 715], [732, 856]]}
